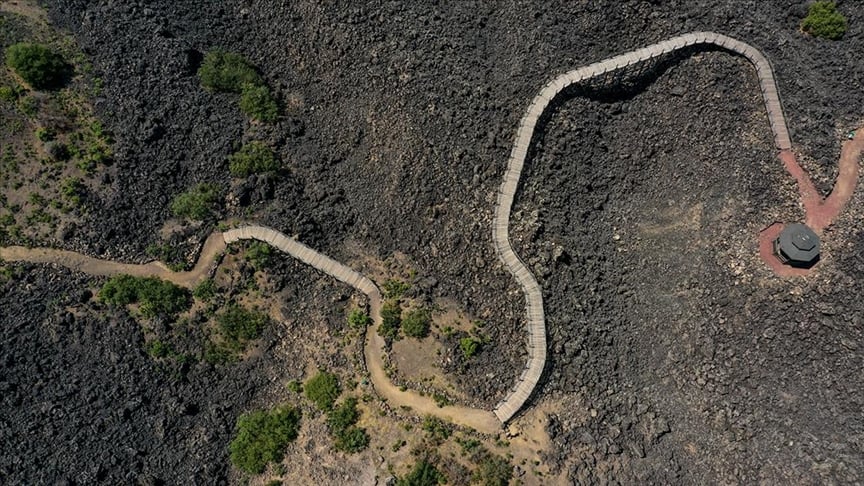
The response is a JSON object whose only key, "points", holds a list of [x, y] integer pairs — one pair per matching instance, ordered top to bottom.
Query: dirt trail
{"points": [[819, 213], [213, 246]]}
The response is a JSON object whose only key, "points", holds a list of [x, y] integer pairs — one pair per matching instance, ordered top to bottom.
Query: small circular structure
{"points": [[797, 246]]}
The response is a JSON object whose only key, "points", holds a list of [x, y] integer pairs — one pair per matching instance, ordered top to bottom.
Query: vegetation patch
{"points": [[823, 20], [38, 65], [227, 72], [258, 103], [253, 158], [198, 203], [259, 254], [156, 296], [391, 318], [358, 319], [416, 323], [239, 325], [470, 346], [322, 390], [341, 421], [262, 437], [422, 474]]}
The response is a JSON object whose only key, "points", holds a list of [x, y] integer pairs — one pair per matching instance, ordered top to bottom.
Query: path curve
{"points": [[535, 321], [374, 348]]}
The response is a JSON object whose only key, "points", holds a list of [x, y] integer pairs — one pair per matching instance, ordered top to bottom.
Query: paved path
{"points": [[535, 322], [374, 346]]}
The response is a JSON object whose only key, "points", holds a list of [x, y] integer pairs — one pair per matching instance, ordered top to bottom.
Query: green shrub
{"points": [[823, 20], [41, 67], [227, 72], [8, 94], [257, 102], [252, 158], [73, 190], [197, 203], [259, 254], [394, 288], [205, 291], [156, 296], [391, 318], [358, 319], [416, 323], [239, 325], [470, 346], [158, 349], [295, 386], [322, 390], [343, 416], [436, 429], [261, 437], [353, 439], [493, 470], [423, 474]]}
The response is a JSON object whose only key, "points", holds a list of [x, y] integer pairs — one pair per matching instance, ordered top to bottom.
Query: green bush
{"points": [[823, 20], [41, 67], [227, 72], [8, 94], [257, 102], [252, 158], [73, 190], [197, 203], [259, 254], [394, 288], [206, 290], [156, 296], [391, 318], [358, 319], [416, 323], [239, 325], [470, 346], [158, 349], [322, 390], [343, 416], [436, 429], [261, 437], [353, 439], [493, 470], [423, 474]]}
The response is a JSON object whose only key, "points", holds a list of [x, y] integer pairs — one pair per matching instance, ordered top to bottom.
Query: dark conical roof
{"points": [[798, 244]]}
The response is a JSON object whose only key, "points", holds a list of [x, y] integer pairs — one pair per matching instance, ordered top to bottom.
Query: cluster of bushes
{"points": [[823, 20], [38, 65], [230, 73], [252, 158], [198, 203], [156, 296], [416, 323], [237, 326], [323, 391], [261, 438], [424, 473]]}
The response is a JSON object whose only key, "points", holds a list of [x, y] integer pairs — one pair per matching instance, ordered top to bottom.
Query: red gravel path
{"points": [[819, 213]]}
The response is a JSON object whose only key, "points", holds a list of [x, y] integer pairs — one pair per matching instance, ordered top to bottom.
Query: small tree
{"points": [[823, 20], [37, 64], [252, 158], [197, 203], [391, 317], [358, 319], [416, 323], [470, 346], [323, 390], [261, 438], [423, 474]]}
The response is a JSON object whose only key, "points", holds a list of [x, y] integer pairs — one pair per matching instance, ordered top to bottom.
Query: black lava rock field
{"points": [[676, 357]]}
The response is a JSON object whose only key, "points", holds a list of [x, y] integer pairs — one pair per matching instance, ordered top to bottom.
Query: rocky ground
{"points": [[677, 357]]}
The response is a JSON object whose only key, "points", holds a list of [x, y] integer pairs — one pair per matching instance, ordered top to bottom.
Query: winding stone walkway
{"points": [[535, 320], [484, 421]]}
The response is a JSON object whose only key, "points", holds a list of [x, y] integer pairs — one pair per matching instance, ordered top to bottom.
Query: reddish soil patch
{"points": [[819, 213]]}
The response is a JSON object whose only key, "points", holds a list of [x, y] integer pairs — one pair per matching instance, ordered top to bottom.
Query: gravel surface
{"points": [[639, 215]]}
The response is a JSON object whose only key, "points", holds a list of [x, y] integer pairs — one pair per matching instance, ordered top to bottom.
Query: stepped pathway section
{"points": [[535, 320], [374, 349]]}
